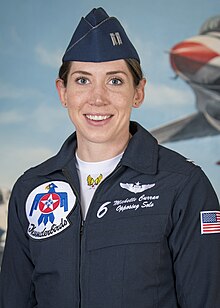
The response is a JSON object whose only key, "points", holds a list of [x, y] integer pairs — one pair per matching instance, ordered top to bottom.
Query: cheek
{"points": [[129, 96], [73, 101], [126, 102], [74, 116]]}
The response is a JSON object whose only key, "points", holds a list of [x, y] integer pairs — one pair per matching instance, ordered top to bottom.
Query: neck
{"points": [[95, 152]]}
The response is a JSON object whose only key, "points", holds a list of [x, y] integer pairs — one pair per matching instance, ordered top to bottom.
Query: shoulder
{"points": [[174, 162], [178, 172]]}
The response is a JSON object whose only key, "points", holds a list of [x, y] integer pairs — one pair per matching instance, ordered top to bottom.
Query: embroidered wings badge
{"points": [[136, 188]]}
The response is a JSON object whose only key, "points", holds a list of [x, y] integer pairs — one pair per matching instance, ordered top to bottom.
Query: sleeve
{"points": [[196, 256], [17, 268]]}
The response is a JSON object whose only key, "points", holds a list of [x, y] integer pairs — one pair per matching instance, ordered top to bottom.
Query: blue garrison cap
{"points": [[99, 38]]}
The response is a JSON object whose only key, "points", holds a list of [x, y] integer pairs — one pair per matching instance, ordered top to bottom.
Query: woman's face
{"points": [[99, 98]]}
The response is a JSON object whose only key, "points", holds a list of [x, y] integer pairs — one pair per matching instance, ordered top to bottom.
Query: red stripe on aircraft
{"points": [[189, 57]]}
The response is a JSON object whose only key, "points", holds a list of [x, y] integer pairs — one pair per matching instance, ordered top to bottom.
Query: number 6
{"points": [[102, 210]]}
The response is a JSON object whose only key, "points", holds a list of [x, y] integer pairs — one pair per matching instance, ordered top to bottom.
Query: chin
{"points": [[98, 139]]}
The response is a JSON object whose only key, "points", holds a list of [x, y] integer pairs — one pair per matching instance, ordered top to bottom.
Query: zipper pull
{"points": [[81, 228]]}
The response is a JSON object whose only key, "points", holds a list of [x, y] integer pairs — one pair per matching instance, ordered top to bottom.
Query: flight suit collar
{"points": [[141, 153]]}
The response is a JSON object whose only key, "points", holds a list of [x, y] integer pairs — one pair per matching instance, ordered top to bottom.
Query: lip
{"points": [[97, 119]]}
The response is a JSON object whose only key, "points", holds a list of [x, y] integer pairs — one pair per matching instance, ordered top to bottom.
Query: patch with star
{"points": [[47, 208]]}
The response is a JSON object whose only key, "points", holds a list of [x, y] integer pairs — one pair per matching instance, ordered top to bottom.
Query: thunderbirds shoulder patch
{"points": [[47, 208]]}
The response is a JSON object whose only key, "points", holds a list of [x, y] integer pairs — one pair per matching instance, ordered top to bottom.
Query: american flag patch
{"points": [[210, 222]]}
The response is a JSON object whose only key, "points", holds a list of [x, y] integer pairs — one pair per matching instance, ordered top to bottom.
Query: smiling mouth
{"points": [[95, 117]]}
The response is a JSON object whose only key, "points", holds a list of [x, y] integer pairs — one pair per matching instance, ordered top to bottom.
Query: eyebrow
{"points": [[116, 72], [81, 73], [89, 74]]}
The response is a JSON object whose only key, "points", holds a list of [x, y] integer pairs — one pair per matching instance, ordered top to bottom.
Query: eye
{"points": [[82, 80], [116, 81]]}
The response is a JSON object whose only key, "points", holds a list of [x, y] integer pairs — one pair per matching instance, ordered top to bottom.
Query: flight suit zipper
{"points": [[69, 180], [83, 222]]}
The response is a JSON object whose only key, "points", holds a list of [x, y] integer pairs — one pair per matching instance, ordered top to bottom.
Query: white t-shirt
{"points": [[91, 175]]}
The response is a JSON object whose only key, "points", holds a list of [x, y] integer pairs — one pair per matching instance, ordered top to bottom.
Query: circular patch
{"points": [[47, 208]]}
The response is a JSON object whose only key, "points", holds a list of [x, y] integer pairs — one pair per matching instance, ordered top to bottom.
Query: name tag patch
{"points": [[128, 204]]}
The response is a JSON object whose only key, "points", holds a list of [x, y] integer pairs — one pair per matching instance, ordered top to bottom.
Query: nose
{"points": [[98, 95]]}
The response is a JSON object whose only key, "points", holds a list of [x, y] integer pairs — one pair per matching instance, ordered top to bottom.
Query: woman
{"points": [[114, 219]]}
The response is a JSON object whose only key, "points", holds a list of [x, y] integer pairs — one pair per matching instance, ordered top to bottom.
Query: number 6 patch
{"points": [[102, 210]]}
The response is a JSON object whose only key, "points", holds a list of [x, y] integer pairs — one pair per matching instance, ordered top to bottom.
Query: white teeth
{"points": [[97, 117]]}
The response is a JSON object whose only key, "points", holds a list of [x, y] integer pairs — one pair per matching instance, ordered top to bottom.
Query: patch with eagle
{"points": [[47, 208]]}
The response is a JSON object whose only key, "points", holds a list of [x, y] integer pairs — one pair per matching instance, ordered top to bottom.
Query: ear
{"points": [[61, 89], [139, 93]]}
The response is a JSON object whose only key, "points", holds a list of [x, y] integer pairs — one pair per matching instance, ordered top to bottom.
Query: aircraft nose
{"points": [[188, 57]]}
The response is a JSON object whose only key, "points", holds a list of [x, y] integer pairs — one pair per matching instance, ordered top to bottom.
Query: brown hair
{"points": [[133, 66], [135, 69], [64, 72]]}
